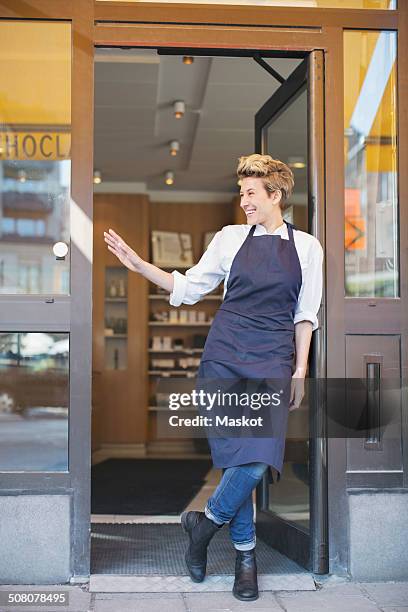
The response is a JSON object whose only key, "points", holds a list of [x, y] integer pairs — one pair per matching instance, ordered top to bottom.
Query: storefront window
{"points": [[353, 4], [370, 150], [35, 167], [34, 399]]}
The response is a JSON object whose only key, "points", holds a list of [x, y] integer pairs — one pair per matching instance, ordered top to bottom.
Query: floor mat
{"points": [[146, 486], [158, 550]]}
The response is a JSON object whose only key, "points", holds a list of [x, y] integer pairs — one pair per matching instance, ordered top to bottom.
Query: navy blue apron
{"points": [[252, 337]]}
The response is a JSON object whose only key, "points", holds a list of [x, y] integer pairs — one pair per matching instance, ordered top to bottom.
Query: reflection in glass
{"points": [[353, 4], [289, 129], [370, 149], [35, 167], [34, 400], [288, 498]]}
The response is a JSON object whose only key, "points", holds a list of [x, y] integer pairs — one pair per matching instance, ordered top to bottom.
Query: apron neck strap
{"points": [[290, 227]]}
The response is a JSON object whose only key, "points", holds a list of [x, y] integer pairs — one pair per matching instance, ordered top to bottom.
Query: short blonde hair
{"points": [[276, 174]]}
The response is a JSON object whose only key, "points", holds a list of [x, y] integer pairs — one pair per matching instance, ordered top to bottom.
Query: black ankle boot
{"points": [[200, 530], [246, 583]]}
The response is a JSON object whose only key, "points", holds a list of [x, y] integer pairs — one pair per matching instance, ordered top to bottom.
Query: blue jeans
{"points": [[231, 503]]}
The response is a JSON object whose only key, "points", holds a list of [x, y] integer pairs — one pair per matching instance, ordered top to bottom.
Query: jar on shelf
{"points": [[122, 288], [113, 291]]}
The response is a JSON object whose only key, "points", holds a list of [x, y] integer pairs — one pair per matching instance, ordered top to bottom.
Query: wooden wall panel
{"points": [[123, 401]]}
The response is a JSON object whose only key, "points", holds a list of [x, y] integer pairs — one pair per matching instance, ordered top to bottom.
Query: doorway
{"points": [[155, 174]]}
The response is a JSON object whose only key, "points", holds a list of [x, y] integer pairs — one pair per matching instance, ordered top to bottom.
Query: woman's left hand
{"points": [[297, 390]]}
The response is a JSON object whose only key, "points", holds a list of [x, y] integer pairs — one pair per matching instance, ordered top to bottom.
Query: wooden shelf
{"points": [[134, 216], [195, 219], [156, 296], [168, 324], [114, 336], [186, 351], [168, 373]]}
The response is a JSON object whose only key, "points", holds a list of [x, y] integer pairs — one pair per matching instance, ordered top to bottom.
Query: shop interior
{"points": [[169, 128]]}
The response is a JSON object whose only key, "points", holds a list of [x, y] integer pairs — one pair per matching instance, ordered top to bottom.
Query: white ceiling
{"points": [[134, 94]]}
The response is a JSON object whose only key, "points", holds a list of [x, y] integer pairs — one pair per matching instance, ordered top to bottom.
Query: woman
{"points": [[272, 276]]}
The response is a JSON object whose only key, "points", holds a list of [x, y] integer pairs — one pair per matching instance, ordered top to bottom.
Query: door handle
{"points": [[373, 406]]}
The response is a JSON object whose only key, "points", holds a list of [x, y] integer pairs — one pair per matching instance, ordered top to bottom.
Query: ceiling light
{"points": [[188, 59], [179, 109], [174, 147], [296, 162], [22, 176], [97, 177], [169, 177]]}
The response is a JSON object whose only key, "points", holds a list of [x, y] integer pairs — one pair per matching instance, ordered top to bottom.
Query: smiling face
{"points": [[259, 205]]}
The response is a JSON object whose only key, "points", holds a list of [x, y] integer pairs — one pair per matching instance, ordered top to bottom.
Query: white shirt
{"points": [[215, 265]]}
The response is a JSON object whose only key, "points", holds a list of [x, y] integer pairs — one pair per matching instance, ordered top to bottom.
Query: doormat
{"points": [[146, 486], [151, 558]]}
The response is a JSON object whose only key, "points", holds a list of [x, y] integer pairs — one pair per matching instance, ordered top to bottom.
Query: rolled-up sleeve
{"points": [[202, 278], [179, 288], [310, 295]]}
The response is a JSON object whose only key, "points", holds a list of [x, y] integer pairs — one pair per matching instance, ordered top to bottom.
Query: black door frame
{"points": [[297, 546], [308, 548]]}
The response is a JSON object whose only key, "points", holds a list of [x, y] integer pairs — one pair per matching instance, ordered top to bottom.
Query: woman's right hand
{"points": [[123, 252]]}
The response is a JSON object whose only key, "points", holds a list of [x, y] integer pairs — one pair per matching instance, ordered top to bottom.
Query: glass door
{"points": [[45, 295], [291, 512]]}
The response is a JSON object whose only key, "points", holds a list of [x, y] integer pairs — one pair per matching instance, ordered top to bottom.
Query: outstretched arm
{"points": [[135, 263]]}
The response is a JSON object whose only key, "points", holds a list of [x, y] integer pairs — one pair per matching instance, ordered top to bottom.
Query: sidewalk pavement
{"points": [[332, 594]]}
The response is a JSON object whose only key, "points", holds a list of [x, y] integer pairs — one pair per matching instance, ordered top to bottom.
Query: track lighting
{"points": [[179, 109], [174, 147], [296, 162], [97, 177], [169, 177]]}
